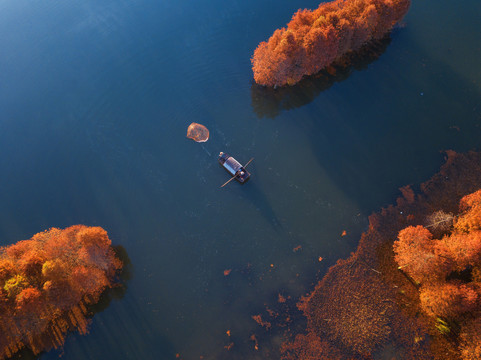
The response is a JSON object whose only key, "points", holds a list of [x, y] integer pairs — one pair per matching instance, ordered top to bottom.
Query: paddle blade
{"points": [[248, 162], [228, 181]]}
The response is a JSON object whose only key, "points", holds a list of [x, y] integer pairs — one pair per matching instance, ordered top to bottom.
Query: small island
{"points": [[315, 39], [47, 284], [412, 289]]}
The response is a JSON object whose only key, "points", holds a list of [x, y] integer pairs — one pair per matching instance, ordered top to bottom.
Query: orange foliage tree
{"points": [[314, 39], [416, 254], [448, 268], [46, 283], [448, 299], [470, 346]]}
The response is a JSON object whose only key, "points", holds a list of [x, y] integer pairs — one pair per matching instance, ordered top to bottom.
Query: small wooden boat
{"points": [[234, 168]]}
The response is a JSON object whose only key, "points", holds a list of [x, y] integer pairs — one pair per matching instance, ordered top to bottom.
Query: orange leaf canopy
{"points": [[314, 39], [198, 132], [47, 282]]}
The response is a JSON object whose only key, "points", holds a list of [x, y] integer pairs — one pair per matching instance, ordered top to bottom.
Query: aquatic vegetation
{"points": [[315, 39], [198, 132], [46, 284], [404, 288], [354, 312], [258, 319], [309, 347]]}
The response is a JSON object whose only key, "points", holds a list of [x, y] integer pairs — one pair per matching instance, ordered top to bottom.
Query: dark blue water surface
{"points": [[95, 100]]}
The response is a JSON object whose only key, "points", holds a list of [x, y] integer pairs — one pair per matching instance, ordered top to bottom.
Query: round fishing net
{"points": [[198, 132]]}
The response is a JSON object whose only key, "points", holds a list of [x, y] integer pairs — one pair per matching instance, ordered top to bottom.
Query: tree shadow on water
{"points": [[269, 102], [379, 149], [118, 290]]}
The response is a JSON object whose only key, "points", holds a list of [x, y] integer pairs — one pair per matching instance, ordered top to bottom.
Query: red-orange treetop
{"points": [[314, 39], [471, 219], [447, 268], [45, 283], [470, 347]]}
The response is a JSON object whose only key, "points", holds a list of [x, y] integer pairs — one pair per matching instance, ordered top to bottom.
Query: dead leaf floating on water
{"points": [[198, 132]]}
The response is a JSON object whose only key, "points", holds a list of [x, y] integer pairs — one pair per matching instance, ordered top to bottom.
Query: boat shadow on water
{"points": [[253, 192]]}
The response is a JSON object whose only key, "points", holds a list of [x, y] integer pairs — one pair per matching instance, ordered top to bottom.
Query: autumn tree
{"points": [[314, 39], [471, 219], [464, 249], [416, 254], [447, 268], [45, 283], [15, 285], [448, 299], [29, 300], [470, 346]]}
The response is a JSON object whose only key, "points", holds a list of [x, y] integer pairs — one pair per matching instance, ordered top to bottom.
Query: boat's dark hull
{"points": [[234, 168]]}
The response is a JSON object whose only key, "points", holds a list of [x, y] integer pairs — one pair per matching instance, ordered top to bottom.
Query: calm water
{"points": [[95, 99]]}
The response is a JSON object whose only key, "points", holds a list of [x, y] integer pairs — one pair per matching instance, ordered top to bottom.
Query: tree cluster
{"points": [[314, 39], [447, 269], [46, 283], [368, 288]]}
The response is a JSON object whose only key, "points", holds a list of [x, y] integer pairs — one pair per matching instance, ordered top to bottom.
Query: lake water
{"points": [[95, 100]]}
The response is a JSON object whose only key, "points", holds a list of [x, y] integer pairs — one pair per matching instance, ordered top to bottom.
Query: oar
{"points": [[248, 162], [228, 181]]}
